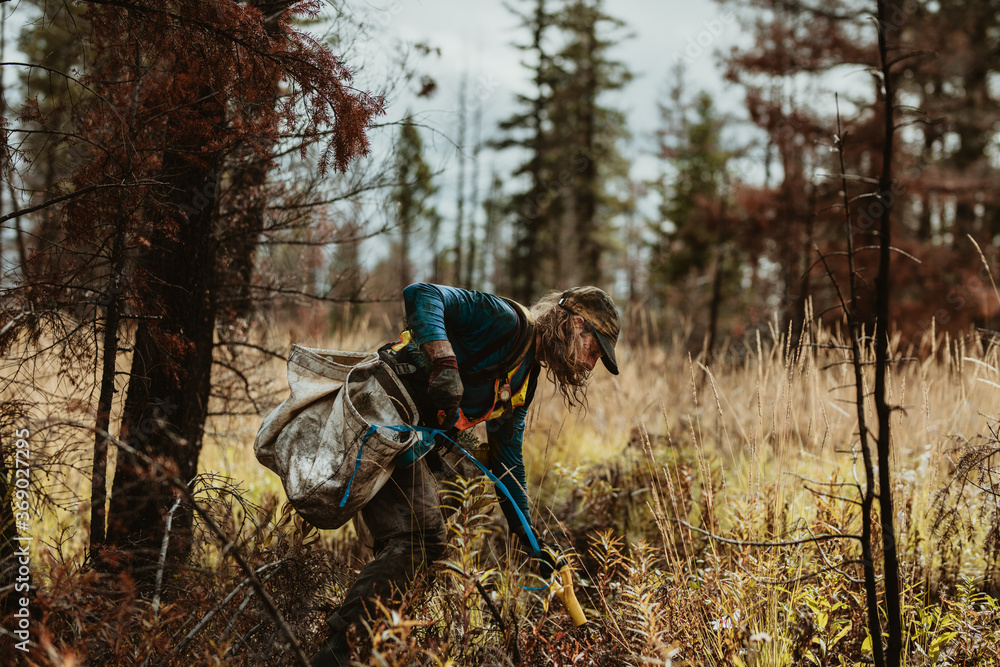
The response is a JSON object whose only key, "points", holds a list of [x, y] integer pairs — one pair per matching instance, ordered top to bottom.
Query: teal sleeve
{"points": [[470, 320], [507, 463]]}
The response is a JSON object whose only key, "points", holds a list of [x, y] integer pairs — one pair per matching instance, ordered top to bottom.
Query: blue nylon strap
{"points": [[426, 434], [357, 464]]}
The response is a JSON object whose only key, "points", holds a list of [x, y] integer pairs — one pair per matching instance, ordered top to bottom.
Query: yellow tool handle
{"points": [[568, 597]]}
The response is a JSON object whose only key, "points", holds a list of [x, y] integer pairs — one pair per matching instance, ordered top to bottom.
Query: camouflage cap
{"points": [[595, 306]]}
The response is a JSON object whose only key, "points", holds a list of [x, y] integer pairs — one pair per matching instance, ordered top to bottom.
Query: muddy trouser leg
{"points": [[408, 528]]}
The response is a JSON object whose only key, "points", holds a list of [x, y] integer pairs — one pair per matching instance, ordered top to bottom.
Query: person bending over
{"points": [[469, 357]]}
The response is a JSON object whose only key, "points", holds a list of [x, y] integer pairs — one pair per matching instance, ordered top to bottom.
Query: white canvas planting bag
{"points": [[320, 440]]}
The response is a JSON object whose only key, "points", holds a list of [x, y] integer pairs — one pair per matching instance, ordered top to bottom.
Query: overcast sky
{"points": [[476, 39]]}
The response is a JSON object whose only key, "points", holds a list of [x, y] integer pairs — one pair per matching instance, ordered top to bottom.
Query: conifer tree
{"points": [[796, 38], [54, 49], [955, 96], [184, 107], [529, 129], [593, 175], [943, 190], [412, 195], [563, 217], [696, 234], [687, 235], [492, 256]]}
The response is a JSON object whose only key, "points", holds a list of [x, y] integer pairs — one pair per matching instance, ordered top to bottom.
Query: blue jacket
{"points": [[473, 321]]}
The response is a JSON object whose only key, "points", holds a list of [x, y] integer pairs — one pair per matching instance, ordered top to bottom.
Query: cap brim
{"points": [[608, 353]]}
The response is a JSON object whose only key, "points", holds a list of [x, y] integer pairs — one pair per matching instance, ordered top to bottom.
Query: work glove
{"points": [[445, 388], [551, 558]]}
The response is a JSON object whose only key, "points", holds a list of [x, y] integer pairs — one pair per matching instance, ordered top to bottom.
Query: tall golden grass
{"points": [[735, 449], [661, 486]]}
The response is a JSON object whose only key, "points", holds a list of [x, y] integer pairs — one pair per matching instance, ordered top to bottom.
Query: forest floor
{"points": [[665, 489]]}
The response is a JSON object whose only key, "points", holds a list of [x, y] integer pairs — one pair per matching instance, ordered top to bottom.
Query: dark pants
{"points": [[408, 528]]}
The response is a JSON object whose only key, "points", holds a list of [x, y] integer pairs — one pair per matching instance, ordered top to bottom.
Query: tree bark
{"points": [[715, 303], [857, 334], [109, 363], [167, 401], [882, 409]]}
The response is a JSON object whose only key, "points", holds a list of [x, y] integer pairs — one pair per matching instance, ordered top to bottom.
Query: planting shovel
{"points": [[563, 587]]}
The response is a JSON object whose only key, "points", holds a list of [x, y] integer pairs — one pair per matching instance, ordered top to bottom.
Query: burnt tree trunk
{"points": [[883, 293], [112, 302], [716, 303], [170, 380]]}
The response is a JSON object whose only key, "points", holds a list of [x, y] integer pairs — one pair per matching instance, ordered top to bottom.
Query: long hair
{"points": [[561, 349]]}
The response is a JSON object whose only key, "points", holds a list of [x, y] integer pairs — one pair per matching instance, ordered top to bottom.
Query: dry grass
{"points": [[729, 450]]}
